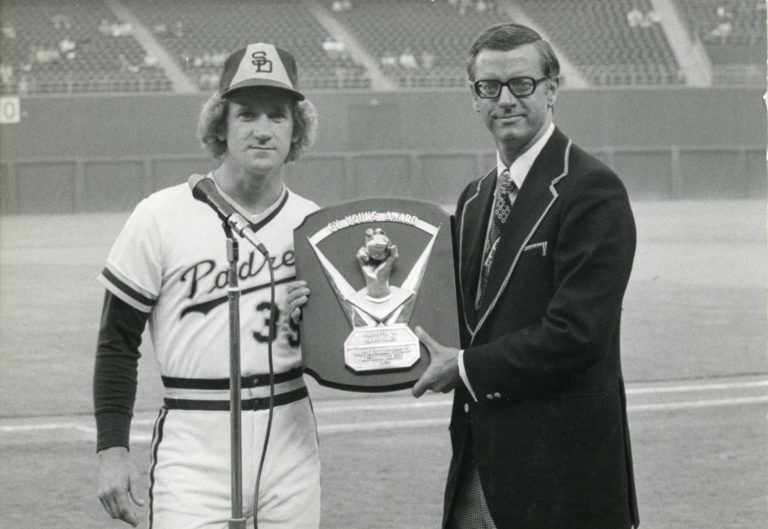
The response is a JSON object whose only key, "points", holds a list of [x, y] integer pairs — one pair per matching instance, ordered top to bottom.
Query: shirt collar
{"points": [[520, 167], [243, 212]]}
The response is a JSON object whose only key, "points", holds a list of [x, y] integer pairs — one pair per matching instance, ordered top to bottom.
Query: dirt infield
{"points": [[694, 353]]}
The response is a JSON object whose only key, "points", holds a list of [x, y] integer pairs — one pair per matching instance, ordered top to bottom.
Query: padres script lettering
{"points": [[372, 216], [202, 276], [205, 279]]}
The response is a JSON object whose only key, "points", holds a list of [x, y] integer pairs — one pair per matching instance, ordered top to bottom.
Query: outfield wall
{"points": [[103, 153]]}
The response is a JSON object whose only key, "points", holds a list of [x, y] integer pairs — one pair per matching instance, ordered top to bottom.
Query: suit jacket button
{"points": [[497, 395], [489, 396], [466, 407]]}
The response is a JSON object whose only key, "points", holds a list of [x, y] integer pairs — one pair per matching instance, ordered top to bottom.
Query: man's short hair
{"points": [[508, 36], [212, 123]]}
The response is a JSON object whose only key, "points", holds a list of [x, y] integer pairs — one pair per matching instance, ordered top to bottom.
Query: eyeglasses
{"points": [[519, 86]]}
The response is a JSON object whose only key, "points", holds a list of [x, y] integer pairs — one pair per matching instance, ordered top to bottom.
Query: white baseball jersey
{"points": [[170, 260]]}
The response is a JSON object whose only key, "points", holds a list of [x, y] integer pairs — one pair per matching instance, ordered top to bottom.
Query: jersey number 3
{"points": [[271, 318]]}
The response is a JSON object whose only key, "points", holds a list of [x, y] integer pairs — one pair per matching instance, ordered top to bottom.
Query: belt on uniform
{"points": [[251, 381], [246, 404]]}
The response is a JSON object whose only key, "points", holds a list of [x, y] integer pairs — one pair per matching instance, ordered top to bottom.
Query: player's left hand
{"points": [[298, 295], [443, 372], [118, 485]]}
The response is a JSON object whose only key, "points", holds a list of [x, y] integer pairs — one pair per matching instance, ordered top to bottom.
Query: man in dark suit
{"points": [[545, 247]]}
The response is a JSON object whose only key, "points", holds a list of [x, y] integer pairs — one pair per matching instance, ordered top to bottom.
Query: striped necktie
{"points": [[501, 208]]}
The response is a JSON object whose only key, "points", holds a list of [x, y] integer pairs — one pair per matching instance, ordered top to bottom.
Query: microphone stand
{"points": [[204, 190], [241, 227], [235, 400]]}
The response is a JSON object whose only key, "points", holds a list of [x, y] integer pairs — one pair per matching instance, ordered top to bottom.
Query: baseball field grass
{"points": [[694, 341]]}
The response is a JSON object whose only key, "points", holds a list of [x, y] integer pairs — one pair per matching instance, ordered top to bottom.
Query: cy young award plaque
{"points": [[376, 268]]}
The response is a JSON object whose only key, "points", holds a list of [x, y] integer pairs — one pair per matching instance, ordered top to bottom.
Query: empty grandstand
{"points": [[199, 34], [734, 35], [613, 42], [418, 43], [114, 46], [67, 47]]}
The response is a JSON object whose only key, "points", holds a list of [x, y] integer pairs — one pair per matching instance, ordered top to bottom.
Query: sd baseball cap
{"points": [[260, 64]]}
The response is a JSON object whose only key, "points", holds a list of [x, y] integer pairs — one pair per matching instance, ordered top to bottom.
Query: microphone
{"points": [[204, 190]]}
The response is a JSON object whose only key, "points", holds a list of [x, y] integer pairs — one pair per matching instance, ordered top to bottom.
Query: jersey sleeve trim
{"points": [[126, 292]]}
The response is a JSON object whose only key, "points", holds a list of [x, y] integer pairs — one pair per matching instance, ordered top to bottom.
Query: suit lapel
{"points": [[532, 204], [474, 222]]}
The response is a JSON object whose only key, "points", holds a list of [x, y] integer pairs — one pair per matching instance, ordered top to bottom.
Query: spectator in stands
{"points": [[724, 12], [634, 17], [61, 21], [645, 22], [724, 24], [105, 28], [121, 29], [9, 32], [721, 32], [68, 48], [335, 49], [45, 55], [218, 59], [208, 60], [388, 60], [407, 60], [126, 65], [6, 73], [546, 241]]}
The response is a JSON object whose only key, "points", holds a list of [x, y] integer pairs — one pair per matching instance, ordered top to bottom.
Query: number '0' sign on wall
{"points": [[10, 110]]}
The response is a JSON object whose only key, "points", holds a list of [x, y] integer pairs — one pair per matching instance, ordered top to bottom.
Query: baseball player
{"points": [[169, 267]]}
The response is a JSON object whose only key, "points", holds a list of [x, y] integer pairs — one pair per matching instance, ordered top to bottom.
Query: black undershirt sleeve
{"points": [[116, 371]]}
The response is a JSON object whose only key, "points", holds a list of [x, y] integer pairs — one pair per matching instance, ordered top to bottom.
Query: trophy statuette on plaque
{"points": [[374, 263]]}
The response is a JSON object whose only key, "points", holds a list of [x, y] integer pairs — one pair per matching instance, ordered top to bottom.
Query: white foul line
{"points": [[698, 387], [704, 403], [336, 407], [383, 407], [379, 425], [390, 425], [48, 426], [330, 429]]}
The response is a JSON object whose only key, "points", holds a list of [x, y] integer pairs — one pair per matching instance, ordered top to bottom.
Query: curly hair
{"points": [[212, 124]]}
